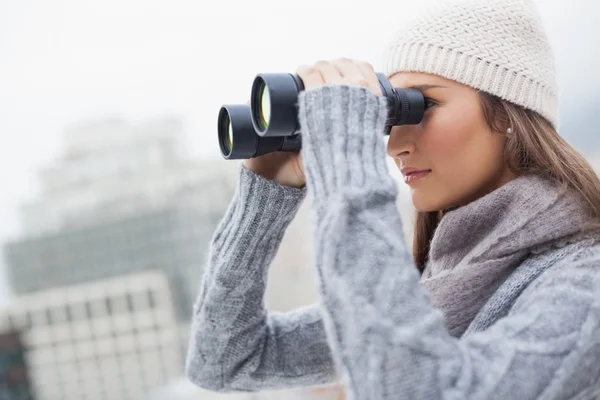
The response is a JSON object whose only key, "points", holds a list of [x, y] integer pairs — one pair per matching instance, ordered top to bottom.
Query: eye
{"points": [[429, 103]]}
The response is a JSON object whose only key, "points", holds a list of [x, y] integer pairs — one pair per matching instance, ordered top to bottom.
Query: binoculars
{"points": [[270, 122]]}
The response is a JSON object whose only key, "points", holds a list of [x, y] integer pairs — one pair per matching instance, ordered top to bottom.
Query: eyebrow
{"points": [[426, 86]]}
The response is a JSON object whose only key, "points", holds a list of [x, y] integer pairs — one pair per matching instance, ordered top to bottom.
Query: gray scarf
{"points": [[476, 247]]}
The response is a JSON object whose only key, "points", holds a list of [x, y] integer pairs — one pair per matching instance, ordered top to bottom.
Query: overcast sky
{"points": [[63, 62]]}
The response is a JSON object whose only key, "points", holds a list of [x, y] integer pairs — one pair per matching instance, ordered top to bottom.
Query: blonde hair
{"points": [[534, 146]]}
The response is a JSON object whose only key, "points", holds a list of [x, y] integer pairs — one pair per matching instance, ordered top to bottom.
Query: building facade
{"points": [[122, 199], [111, 339]]}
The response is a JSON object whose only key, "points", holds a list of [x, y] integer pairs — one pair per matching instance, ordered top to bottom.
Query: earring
{"points": [[509, 131]]}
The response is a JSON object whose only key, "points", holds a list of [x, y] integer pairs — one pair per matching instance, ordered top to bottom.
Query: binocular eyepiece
{"points": [[270, 122]]}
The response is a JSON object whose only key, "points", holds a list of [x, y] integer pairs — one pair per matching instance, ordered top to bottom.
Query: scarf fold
{"points": [[475, 247]]}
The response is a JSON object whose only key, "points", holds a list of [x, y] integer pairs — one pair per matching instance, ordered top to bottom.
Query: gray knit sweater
{"points": [[375, 328]]}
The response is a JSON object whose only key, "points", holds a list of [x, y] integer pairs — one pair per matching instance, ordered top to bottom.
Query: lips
{"points": [[417, 172], [414, 176]]}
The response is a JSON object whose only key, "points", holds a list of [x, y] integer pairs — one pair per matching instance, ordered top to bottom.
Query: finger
{"points": [[350, 71], [329, 72], [369, 72], [311, 77]]}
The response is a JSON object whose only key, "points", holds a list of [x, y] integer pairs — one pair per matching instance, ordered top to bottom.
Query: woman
{"points": [[500, 297]]}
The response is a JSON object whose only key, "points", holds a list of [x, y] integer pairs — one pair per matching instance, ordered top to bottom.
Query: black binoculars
{"points": [[270, 122]]}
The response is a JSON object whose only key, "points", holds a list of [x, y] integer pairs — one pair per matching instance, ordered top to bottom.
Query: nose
{"points": [[401, 142]]}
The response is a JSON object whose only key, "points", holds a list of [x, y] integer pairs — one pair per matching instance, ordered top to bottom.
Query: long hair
{"points": [[533, 147]]}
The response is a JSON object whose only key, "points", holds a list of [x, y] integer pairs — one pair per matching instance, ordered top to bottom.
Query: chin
{"points": [[424, 203], [421, 204], [424, 210]]}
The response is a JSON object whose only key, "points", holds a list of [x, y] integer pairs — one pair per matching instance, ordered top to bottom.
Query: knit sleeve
{"points": [[387, 339], [235, 344]]}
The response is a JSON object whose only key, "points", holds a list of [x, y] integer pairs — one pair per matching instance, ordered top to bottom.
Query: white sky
{"points": [[63, 62]]}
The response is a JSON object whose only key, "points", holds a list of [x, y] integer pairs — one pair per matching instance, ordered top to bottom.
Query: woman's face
{"points": [[453, 141]]}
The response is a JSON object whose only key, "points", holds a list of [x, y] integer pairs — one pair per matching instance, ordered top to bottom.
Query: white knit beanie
{"points": [[497, 46]]}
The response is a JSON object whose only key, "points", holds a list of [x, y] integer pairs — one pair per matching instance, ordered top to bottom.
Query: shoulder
{"points": [[575, 260], [572, 281], [562, 310]]}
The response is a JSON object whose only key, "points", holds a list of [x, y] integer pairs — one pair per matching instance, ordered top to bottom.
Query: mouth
{"points": [[418, 172], [414, 176]]}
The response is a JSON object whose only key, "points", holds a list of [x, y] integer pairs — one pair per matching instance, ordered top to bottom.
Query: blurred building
{"points": [[122, 199], [113, 339], [14, 374]]}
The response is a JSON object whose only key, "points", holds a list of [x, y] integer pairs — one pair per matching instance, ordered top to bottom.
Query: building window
{"points": [[141, 300], [151, 300], [129, 303], [109, 307], [99, 308], [88, 310], [77, 312], [59, 314], [68, 314], [39, 317], [49, 317], [29, 320]]}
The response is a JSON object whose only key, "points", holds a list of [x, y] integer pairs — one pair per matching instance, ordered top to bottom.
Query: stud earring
{"points": [[509, 131]]}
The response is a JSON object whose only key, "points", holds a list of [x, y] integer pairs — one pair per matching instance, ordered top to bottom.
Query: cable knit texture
{"points": [[498, 46], [376, 328]]}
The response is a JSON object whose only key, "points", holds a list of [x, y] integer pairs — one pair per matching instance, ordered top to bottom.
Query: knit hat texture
{"points": [[497, 46]]}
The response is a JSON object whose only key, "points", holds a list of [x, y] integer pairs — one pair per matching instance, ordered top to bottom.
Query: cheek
{"points": [[447, 138], [462, 154]]}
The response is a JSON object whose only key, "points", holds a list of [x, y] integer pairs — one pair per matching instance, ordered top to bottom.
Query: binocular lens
{"points": [[273, 100], [264, 113], [230, 135], [238, 139], [226, 140]]}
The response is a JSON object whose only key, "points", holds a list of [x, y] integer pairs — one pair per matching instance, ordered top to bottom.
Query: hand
{"points": [[343, 71], [283, 167], [286, 168]]}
